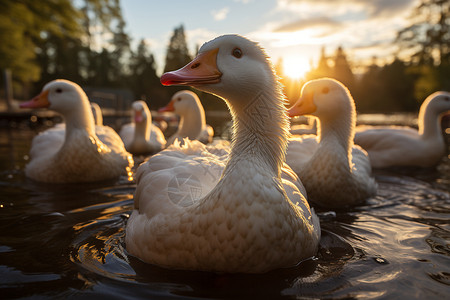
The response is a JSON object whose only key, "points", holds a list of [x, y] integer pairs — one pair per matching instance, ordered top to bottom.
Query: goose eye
{"points": [[237, 52], [325, 90], [59, 91], [446, 98], [178, 99]]}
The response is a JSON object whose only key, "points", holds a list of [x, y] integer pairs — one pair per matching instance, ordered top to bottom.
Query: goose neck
{"points": [[80, 119], [191, 123], [429, 123], [142, 130], [260, 132]]}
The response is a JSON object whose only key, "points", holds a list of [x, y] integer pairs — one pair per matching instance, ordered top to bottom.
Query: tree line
{"points": [[44, 40], [421, 65]]}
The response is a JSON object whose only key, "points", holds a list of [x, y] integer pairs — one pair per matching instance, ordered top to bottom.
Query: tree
{"points": [[23, 26], [428, 36], [426, 42], [177, 51], [322, 70], [342, 71], [143, 78], [368, 92]]}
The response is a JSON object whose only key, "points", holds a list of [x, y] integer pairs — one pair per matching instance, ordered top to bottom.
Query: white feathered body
{"points": [[405, 146], [77, 151], [78, 158], [334, 171], [247, 218]]}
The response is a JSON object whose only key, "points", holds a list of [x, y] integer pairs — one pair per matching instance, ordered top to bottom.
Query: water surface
{"points": [[67, 241]]}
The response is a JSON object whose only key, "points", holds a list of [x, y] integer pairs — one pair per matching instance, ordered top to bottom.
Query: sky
{"points": [[293, 29]]}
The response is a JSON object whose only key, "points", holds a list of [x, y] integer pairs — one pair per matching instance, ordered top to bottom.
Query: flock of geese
{"points": [[247, 208]]}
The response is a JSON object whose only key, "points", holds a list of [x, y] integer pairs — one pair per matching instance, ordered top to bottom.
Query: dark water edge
{"points": [[66, 241]]}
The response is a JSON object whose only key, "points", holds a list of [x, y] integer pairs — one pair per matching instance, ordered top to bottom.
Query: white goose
{"points": [[97, 113], [192, 124], [142, 136], [405, 146], [74, 153], [334, 171], [239, 223]]}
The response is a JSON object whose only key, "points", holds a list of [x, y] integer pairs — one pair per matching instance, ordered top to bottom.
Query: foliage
{"points": [[23, 24], [428, 36], [86, 41], [426, 44], [177, 51]]}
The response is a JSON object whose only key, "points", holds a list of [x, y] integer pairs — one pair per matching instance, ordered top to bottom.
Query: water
{"points": [[66, 241]]}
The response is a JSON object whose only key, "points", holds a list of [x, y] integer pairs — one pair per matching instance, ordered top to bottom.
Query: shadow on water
{"points": [[67, 241]]}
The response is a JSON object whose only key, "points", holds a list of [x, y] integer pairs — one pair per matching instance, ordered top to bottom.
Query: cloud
{"points": [[243, 1], [373, 8], [220, 14], [308, 23], [197, 37]]}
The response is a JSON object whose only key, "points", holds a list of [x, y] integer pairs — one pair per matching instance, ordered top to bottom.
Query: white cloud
{"points": [[372, 8], [220, 14], [197, 37]]}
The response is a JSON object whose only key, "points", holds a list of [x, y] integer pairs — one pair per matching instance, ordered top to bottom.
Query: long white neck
{"points": [[80, 118], [192, 122], [429, 123], [142, 130], [260, 130], [338, 132]]}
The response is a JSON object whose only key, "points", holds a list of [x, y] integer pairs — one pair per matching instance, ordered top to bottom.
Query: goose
{"points": [[97, 113], [192, 124], [142, 136], [405, 146], [74, 153], [334, 171], [250, 219]]}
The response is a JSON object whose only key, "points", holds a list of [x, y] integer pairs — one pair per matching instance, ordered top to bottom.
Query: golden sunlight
{"points": [[295, 67]]}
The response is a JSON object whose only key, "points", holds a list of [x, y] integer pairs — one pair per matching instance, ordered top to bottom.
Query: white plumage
{"points": [[142, 136], [405, 146], [78, 151], [334, 171], [250, 220]]}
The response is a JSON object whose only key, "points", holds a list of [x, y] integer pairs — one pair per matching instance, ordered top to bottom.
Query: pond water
{"points": [[67, 241]]}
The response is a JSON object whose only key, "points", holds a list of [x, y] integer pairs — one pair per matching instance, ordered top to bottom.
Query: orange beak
{"points": [[202, 70], [40, 101], [304, 106], [168, 107]]}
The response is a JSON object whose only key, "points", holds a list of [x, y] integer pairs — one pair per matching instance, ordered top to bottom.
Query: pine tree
{"points": [[177, 51], [342, 71], [143, 79]]}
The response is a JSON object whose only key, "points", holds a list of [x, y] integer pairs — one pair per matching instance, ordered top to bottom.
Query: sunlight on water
{"points": [[68, 241]]}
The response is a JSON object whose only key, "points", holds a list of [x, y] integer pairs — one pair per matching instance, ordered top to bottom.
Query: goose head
{"points": [[230, 66], [59, 95], [66, 98], [326, 99], [182, 103], [437, 103], [141, 113]]}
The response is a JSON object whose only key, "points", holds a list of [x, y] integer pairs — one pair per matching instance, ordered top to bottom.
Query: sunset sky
{"points": [[293, 29]]}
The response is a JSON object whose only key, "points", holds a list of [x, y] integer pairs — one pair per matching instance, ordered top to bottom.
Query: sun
{"points": [[295, 67]]}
